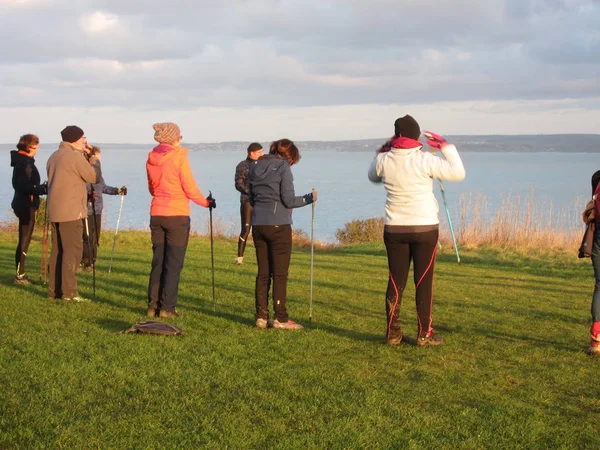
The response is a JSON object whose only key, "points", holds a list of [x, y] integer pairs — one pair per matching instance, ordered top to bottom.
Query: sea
{"points": [[551, 171]]}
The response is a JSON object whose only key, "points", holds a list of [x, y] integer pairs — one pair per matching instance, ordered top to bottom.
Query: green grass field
{"points": [[512, 374]]}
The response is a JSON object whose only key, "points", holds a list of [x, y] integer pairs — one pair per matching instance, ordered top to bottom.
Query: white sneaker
{"points": [[239, 260], [264, 323], [289, 325]]}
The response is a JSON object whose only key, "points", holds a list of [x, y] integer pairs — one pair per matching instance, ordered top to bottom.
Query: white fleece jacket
{"points": [[407, 175]]}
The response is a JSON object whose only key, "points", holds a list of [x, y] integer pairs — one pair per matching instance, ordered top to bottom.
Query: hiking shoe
{"points": [[239, 260], [22, 279], [77, 299], [152, 312], [168, 314], [264, 323], [289, 325], [429, 339], [397, 340], [594, 349]]}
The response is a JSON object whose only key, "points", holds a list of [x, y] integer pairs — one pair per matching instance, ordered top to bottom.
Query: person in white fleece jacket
{"points": [[412, 219]]}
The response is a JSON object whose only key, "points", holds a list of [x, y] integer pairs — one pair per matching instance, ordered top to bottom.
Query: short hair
{"points": [[26, 140], [254, 147], [286, 149], [595, 181]]}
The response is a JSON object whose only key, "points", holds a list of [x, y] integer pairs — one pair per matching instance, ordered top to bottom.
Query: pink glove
{"points": [[435, 140]]}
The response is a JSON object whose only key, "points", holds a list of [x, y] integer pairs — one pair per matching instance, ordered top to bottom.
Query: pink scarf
{"points": [[399, 142]]}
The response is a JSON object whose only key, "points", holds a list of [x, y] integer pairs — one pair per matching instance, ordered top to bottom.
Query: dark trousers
{"points": [[246, 216], [26, 218], [170, 236], [273, 245], [401, 249], [90, 253], [64, 258]]}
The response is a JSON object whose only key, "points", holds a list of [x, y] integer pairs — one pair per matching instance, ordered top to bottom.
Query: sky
{"points": [[259, 70]]}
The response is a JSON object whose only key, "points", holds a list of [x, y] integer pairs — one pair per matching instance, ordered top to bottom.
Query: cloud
{"points": [[239, 54]]}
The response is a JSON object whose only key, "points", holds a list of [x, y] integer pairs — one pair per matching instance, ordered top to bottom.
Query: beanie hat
{"points": [[407, 127], [71, 133], [166, 133], [595, 181]]}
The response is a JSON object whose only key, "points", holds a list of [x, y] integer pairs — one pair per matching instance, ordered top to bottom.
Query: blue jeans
{"points": [[596, 264]]}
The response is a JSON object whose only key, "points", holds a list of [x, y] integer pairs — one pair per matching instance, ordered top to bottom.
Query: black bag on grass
{"points": [[154, 327]]}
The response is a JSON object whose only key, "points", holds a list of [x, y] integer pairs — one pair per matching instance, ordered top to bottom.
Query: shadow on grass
{"points": [[112, 324], [539, 342]]}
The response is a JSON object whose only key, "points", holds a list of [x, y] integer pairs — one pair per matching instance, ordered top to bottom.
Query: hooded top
{"points": [[407, 174], [241, 179], [25, 181], [171, 183], [100, 188], [272, 191]]}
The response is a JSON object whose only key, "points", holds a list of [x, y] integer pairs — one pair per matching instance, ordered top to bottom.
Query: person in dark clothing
{"points": [[255, 151], [272, 197], [26, 201], [95, 207]]}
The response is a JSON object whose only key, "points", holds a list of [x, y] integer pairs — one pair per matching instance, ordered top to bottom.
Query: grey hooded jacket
{"points": [[272, 191]]}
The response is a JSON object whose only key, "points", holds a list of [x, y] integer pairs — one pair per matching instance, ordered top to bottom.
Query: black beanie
{"points": [[407, 127], [71, 133], [595, 180]]}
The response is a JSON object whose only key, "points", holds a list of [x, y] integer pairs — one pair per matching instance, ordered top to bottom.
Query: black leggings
{"points": [[246, 216], [26, 225], [273, 245], [401, 249]]}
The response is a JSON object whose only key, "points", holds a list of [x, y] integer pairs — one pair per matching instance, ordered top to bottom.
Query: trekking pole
{"points": [[449, 220], [89, 239], [212, 252], [112, 253], [44, 257], [312, 258]]}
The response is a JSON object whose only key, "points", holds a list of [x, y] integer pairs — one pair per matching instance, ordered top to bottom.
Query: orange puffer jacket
{"points": [[171, 183]]}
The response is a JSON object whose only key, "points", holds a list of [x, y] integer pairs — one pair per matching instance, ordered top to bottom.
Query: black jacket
{"points": [[241, 179], [25, 181]]}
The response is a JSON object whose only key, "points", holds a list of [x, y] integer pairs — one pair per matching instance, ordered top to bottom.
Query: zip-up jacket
{"points": [[68, 173], [407, 174], [241, 179], [25, 181], [171, 183], [100, 188], [272, 191]]}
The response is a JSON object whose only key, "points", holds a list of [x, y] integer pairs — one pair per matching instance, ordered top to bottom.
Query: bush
{"points": [[361, 231]]}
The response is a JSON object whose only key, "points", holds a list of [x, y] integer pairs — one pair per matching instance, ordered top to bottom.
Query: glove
{"points": [[435, 140], [43, 188], [122, 190], [309, 198], [212, 203]]}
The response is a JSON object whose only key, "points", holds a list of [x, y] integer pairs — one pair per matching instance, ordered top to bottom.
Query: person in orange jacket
{"points": [[172, 186]]}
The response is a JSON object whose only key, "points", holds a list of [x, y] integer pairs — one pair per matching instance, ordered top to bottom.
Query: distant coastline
{"points": [[529, 143]]}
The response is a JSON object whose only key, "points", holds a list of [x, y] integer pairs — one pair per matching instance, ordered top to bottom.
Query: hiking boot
{"points": [[239, 260], [22, 279], [77, 299], [152, 312], [168, 314], [264, 323], [289, 325], [429, 339], [394, 340], [594, 349]]}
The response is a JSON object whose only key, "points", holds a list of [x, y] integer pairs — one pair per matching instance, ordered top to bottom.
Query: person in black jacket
{"points": [[255, 151], [273, 198], [26, 201]]}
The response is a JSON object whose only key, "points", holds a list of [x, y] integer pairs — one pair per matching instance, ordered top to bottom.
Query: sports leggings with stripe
{"points": [[401, 249]]}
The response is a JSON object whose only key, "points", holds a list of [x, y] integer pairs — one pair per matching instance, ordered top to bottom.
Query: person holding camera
{"points": [[68, 173], [172, 186], [26, 201], [95, 207], [411, 219]]}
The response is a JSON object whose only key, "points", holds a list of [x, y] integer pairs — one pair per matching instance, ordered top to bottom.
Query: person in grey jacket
{"points": [[68, 172], [272, 197], [95, 207]]}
